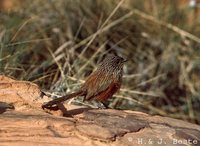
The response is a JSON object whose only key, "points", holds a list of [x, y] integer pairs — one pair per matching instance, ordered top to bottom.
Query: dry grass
{"points": [[56, 44]]}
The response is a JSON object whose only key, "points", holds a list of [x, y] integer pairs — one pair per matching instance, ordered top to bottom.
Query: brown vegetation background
{"points": [[56, 44]]}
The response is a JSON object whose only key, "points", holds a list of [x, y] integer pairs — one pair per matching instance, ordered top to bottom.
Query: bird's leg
{"points": [[102, 104], [106, 104]]}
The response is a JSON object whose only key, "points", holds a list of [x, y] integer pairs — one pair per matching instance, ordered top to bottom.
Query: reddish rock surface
{"points": [[23, 122]]}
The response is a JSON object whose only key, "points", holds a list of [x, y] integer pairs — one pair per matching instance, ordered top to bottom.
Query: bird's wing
{"points": [[97, 83], [108, 93]]}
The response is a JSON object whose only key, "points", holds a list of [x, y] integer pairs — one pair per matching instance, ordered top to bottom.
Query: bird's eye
{"points": [[117, 61]]}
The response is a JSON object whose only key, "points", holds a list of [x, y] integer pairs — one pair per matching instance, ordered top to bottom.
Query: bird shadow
{"points": [[5, 106], [73, 112]]}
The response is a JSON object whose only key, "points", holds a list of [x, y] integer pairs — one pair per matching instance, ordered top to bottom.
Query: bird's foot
{"points": [[101, 105]]}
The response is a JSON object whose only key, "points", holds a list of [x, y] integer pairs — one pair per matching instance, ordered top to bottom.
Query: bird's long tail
{"points": [[56, 101]]}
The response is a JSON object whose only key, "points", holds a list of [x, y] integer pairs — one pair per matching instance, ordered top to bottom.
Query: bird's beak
{"points": [[125, 60]]}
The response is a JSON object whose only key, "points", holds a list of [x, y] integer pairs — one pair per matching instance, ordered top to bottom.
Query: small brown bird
{"points": [[100, 85]]}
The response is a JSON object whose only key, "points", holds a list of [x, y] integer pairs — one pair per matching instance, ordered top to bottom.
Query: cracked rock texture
{"points": [[23, 122]]}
